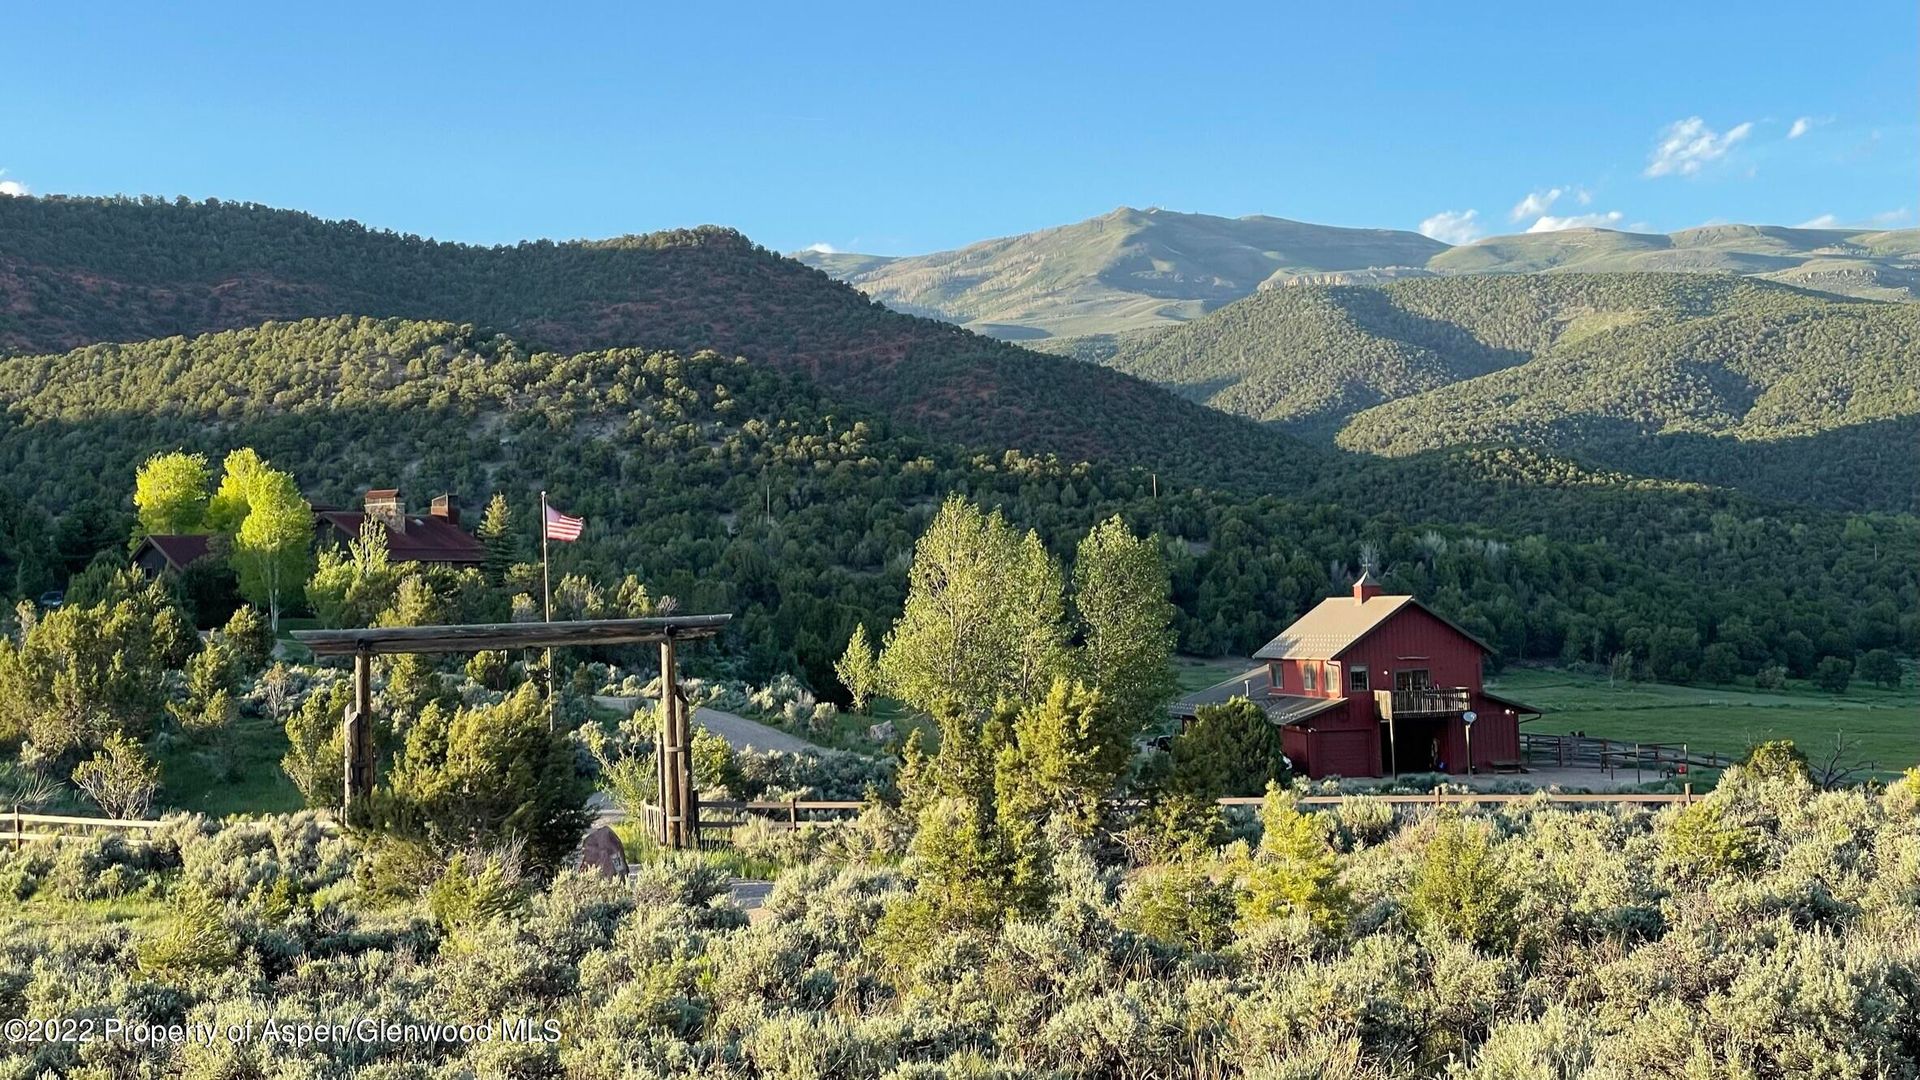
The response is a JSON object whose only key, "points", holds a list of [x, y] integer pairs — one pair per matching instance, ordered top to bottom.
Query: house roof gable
{"points": [[427, 539], [180, 550], [1338, 623]]}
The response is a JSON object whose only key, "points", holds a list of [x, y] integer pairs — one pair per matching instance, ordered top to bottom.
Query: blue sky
{"points": [[902, 128]]}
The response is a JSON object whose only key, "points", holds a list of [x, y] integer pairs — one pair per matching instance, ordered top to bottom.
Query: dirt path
{"points": [[739, 731]]}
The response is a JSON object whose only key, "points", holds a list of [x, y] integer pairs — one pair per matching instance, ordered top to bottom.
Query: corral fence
{"points": [[1614, 757], [718, 819], [20, 827]]}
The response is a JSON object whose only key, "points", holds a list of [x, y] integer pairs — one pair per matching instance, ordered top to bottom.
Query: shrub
{"points": [[120, 779], [1462, 887], [1179, 903]]}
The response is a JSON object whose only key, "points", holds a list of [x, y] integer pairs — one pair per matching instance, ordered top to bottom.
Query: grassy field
{"points": [[1200, 672], [1884, 725], [189, 781]]}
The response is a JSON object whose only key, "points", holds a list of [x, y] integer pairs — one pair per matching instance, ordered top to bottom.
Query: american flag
{"points": [[562, 527]]}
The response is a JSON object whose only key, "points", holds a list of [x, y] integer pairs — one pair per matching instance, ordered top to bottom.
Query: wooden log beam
{"points": [[485, 637]]}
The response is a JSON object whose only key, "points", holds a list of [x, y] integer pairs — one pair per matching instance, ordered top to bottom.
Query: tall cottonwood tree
{"points": [[170, 493], [273, 544], [1120, 601], [983, 618]]}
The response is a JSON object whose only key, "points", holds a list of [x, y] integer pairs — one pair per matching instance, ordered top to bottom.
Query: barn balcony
{"points": [[1418, 704]]}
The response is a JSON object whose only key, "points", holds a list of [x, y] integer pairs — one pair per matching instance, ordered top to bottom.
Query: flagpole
{"points": [[546, 573], [546, 588]]}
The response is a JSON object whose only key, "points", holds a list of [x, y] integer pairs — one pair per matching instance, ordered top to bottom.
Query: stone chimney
{"points": [[384, 505], [446, 508], [1366, 588]]}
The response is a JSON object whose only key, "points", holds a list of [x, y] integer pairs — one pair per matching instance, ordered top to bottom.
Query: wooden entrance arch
{"points": [[679, 827]]}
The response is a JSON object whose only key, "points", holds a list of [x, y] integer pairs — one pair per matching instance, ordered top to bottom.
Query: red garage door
{"points": [[1344, 753]]}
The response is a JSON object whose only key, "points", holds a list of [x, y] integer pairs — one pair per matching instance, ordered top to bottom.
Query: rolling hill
{"points": [[1881, 265], [1125, 270], [76, 271], [1081, 289], [1707, 377]]}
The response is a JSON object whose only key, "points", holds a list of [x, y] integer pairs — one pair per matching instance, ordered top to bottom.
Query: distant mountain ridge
{"points": [[1125, 270], [1131, 271], [1705, 377]]}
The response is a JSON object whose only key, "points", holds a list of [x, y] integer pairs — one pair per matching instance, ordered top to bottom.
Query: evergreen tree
{"points": [[497, 536], [489, 775]]}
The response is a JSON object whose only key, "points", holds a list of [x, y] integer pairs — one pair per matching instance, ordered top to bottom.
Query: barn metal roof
{"points": [[1337, 623], [1331, 628], [1256, 685]]}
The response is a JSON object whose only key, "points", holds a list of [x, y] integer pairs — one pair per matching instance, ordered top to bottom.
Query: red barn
{"points": [[1375, 685]]}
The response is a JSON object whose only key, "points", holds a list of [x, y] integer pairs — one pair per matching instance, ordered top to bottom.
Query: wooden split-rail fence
{"points": [[1614, 757], [717, 820], [19, 827]]}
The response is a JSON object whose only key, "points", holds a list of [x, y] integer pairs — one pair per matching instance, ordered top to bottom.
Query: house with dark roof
{"points": [[434, 537], [160, 553], [1376, 685]]}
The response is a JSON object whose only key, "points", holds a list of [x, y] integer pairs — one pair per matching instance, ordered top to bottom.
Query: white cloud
{"points": [[1800, 127], [1687, 146], [12, 188], [1539, 202], [1535, 204], [1886, 219], [1604, 220], [1453, 226], [823, 249]]}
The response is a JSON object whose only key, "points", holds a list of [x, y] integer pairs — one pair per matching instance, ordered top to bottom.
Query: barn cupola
{"points": [[1366, 588]]}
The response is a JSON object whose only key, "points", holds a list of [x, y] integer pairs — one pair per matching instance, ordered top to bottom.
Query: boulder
{"points": [[881, 732], [602, 851]]}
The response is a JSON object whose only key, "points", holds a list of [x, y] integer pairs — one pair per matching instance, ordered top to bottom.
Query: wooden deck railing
{"points": [[1433, 701]]}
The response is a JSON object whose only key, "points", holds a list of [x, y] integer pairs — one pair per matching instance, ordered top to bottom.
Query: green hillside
{"points": [[1877, 265], [1125, 270], [76, 271], [1074, 288], [1709, 378], [734, 486]]}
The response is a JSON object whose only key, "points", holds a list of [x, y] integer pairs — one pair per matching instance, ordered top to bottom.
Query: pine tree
{"points": [[497, 536]]}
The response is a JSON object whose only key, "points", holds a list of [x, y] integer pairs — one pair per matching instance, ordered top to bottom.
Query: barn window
{"points": [[1279, 676], [1357, 678], [1307, 679], [1413, 679]]}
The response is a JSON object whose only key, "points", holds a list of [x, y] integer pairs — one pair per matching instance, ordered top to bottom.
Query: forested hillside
{"points": [[76, 271], [1710, 378], [737, 487]]}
